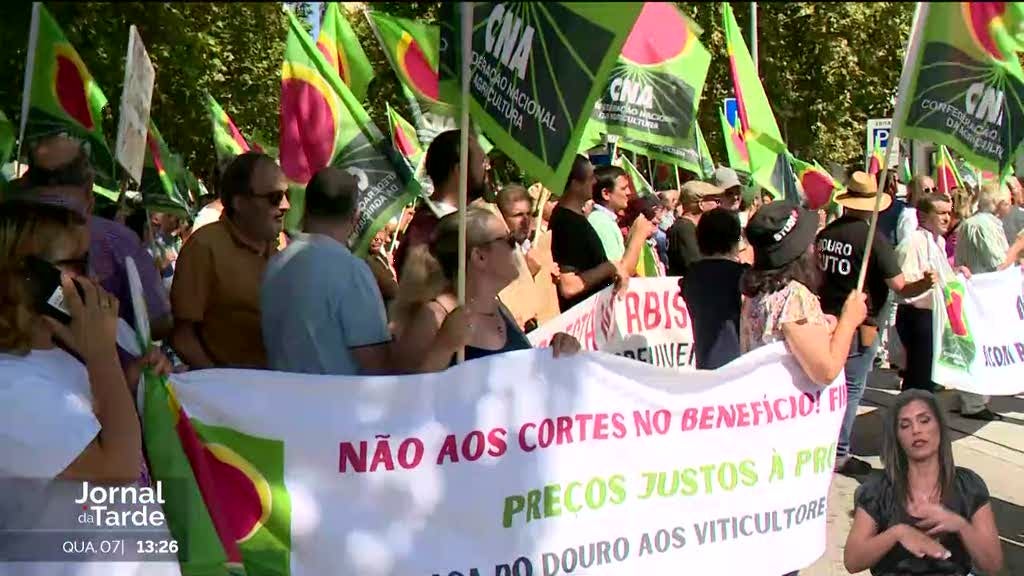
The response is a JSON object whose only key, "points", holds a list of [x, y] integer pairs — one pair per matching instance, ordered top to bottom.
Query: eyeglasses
{"points": [[273, 198], [509, 239], [76, 265]]}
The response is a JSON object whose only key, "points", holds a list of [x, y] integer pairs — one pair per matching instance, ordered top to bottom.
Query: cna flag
{"points": [[340, 45], [412, 48], [538, 70], [962, 84], [655, 85], [65, 98], [756, 123], [323, 124], [404, 139], [228, 141], [875, 162], [905, 173], [947, 176], [160, 177], [817, 184]]}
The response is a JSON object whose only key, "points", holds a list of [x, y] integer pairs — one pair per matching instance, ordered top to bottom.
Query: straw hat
{"points": [[860, 194]]}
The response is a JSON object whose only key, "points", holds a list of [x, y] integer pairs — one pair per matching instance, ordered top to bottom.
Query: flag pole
{"points": [[753, 38], [913, 45], [467, 70], [26, 94]]}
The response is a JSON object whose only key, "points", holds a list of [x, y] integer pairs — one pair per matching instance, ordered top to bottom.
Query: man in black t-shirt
{"points": [[695, 198], [575, 246], [840, 249], [711, 290]]}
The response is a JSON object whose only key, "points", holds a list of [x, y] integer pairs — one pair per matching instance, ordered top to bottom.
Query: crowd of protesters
{"points": [[230, 290]]}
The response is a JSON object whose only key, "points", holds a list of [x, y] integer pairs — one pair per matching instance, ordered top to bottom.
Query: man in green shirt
{"points": [[611, 194]]}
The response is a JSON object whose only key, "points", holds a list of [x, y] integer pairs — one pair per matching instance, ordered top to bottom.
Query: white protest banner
{"points": [[133, 123], [649, 323], [979, 333], [518, 464]]}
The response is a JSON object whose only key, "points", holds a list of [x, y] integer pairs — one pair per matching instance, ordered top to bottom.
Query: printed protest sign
{"points": [[133, 123], [649, 323], [979, 333], [518, 463]]}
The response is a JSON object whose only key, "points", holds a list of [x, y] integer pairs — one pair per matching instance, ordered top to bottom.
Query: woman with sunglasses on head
{"points": [[430, 327], [922, 514]]}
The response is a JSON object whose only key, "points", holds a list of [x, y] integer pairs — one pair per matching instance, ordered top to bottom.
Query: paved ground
{"points": [[994, 450]]}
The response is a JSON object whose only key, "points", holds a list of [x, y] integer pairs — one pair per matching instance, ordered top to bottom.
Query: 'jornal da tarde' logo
{"points": [[103, 506]]}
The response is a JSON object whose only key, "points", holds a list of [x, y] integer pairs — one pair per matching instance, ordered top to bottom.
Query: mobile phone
{"points": [[43, 280]]}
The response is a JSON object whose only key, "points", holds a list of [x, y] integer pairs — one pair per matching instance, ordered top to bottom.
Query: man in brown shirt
{"points": [[216, 292]]}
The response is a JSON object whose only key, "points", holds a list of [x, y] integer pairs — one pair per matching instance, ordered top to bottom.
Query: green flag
{"points": [[340, 45], [412, 49], [538, 69], [656, 83], [962, 84], [65, 98], [323, 124], [6, 139], [404, 139], [228, 142], [735, 147], [686, 158], [707, 163], [769, 166], [637, 183], [817, 184], [159, 186]]}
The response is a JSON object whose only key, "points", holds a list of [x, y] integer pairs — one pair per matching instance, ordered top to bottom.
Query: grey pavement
{"points": [[995, 450]]}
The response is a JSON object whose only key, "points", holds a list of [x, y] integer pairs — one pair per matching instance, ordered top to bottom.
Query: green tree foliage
{"points": [[826, 67]]}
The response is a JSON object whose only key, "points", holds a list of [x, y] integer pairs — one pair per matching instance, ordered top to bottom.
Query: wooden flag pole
{"points": [[911, 57], [467, 58], [26, 93]]}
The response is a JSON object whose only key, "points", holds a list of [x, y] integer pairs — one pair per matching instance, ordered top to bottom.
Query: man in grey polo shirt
{"points": [[322, 312]]}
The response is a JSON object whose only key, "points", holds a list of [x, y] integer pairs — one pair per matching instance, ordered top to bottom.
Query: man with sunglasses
{"points": [[61, 173], [215, 296]]}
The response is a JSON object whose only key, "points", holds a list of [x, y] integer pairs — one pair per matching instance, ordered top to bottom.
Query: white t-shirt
{"points": [[46, 413]]}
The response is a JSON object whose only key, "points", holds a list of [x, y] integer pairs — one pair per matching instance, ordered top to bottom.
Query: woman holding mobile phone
{"points": [[66, 410]]}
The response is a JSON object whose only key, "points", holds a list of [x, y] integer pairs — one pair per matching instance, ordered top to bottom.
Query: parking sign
{"points": [[878, 132]]}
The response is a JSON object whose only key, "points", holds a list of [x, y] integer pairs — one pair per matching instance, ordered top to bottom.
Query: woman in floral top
{"points": [[781, 304]]}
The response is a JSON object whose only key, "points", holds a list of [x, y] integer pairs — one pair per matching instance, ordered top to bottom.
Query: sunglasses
{"points": [[272, 198], [508, 239], [78, 265]]}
